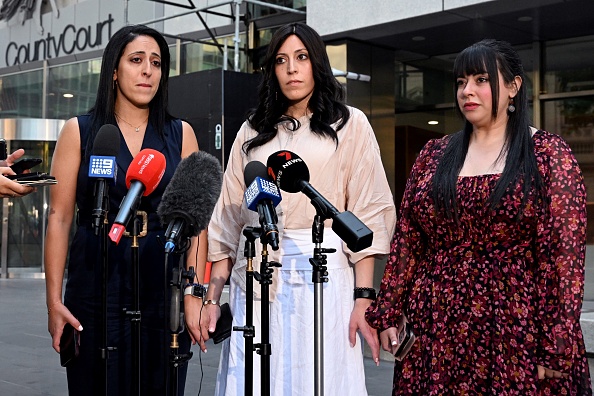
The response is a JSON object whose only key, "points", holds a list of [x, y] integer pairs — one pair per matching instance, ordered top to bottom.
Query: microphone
{"points": [[103, 168], [291, 174], [142, 178], [262, 196], [190, 197]]}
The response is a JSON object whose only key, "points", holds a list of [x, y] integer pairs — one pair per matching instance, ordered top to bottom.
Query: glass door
{"points": [[24, 219]]}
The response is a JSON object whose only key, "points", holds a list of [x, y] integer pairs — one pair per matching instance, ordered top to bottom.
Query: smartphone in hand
{"points": [[25, 163], [223, 328], [406, 339], [69, 343]]}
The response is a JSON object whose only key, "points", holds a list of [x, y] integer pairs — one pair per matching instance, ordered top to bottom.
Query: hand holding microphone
{"points": [[291, 174], [143, 177], [262, 196]]}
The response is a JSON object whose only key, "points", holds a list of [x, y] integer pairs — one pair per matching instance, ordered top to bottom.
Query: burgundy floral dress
{"points": [[489, 297]]}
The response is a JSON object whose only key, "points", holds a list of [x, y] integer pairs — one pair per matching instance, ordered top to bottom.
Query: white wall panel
{"points": [[328, 18]]}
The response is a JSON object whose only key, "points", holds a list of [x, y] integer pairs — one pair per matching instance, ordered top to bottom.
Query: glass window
{"points": [[260, 10], [337, 54], [201, 56], [173, 61], [569, 65], [421, 83], [71, 89], [20, 95], [572, 117]]}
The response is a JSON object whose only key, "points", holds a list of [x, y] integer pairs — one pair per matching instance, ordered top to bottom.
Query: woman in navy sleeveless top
{"points": [[132, 94]]}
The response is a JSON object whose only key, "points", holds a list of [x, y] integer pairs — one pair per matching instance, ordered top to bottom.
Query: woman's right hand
{"points": [[58, 316], [208, 323], [389, 339]]}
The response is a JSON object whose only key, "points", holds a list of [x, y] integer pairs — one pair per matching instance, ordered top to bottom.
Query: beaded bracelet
{"points": [[364, 292], [211, 302]]}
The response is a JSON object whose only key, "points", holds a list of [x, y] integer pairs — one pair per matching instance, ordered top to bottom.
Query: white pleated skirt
{"points": [[292, 327]]}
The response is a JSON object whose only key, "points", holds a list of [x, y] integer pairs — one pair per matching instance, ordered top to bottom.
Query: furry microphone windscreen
{"points": [[192, 192]]}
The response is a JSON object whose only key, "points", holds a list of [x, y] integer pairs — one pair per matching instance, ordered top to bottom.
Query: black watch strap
{"points": [[364, 292]]}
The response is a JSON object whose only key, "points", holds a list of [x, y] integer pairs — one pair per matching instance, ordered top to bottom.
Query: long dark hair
{"points": [[490, 56], [326, 102], [104, 109]]}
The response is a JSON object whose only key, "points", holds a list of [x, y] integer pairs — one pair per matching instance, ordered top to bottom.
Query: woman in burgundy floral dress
{"points": [[487, 262]]}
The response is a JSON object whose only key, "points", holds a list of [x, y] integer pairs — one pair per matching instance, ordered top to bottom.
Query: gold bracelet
{"points": [[211, 302]]}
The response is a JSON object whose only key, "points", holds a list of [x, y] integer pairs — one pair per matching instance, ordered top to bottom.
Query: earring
{"points": [[511, 108]]}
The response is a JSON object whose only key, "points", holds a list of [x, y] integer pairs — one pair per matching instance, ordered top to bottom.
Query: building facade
{"points": [[393, 57]]}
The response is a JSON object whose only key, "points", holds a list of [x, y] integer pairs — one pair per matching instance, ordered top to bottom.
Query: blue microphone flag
{"points": [[102, 166], [261, 189]]}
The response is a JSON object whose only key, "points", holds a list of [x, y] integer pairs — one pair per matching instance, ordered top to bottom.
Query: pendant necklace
{"points": [[137, 129]]}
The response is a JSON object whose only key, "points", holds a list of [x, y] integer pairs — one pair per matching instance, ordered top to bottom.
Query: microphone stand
{"points": [[100, 227], [249, 251], [319, 277], [134, 314], [176, 320], [263, 347]]}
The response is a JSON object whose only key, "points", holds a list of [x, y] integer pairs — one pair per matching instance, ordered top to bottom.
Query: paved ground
{"points": [[30, 367]]}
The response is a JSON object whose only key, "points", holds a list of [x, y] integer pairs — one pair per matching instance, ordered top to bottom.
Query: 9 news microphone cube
{"points": [[103, 167], [261, 189]]}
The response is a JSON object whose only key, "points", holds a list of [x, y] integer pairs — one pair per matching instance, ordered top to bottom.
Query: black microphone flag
{"points": [[291, 174]]}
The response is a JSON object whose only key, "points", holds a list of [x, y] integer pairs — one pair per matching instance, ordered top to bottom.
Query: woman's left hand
{"points": [[358, 322], [544, 372]]}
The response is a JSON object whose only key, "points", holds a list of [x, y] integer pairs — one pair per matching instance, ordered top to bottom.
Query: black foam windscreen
{"points": [[107, 141], [252, 170], [287, 170], [192, 192]]}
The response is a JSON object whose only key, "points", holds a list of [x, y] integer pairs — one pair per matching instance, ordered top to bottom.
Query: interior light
{"points": [[68, 95], [433, 122]]}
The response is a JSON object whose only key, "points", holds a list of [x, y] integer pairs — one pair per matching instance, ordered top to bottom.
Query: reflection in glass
{"points": [[204, 56], [569, 65], [71, 89], [20, 95], [573, 118]]}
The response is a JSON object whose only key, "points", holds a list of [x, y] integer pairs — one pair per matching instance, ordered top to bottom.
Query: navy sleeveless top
{"points": [[170, 146], [84, 264], [84, 291]]}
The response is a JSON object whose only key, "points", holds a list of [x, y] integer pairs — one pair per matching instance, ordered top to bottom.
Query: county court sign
{"points": [[80, 27]]}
